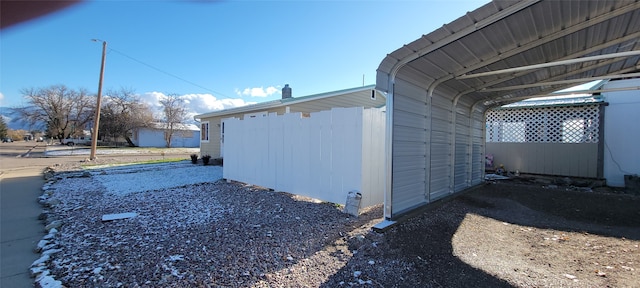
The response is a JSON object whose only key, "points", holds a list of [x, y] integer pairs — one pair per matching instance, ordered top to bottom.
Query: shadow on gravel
{"points": [[606, 214], [419, 252], [416, 253]]}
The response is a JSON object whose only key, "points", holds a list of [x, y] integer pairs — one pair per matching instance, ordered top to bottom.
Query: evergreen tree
{"points": [[3, 128]]}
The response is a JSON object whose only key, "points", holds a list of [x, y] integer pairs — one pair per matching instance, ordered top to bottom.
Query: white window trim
{"points": [[208, 131]]}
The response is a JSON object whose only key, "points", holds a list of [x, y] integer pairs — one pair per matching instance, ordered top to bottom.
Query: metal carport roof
{"points": [[507, 50], [502, 52]]}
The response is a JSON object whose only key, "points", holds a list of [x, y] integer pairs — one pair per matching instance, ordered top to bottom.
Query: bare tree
{"points": [[61, 111], [122, 113], [175, 114]]}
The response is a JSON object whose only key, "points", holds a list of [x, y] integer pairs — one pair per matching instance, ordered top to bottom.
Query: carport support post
{"points": [[96, 120]]}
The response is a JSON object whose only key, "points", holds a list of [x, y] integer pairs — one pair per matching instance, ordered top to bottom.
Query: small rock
{"points": [[542, 181], [565, 181], [53, 202], [119, 216], [53, 225], [52, 233], [41, 244], [50, 246], [51, 251], [289, 258], [41, 261], [371, 262], [37, 270], [357, 274], [569, 276], [44, 280]]}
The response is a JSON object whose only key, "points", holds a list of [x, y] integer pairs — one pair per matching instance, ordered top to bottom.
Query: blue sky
{"points": [[215, 54]]}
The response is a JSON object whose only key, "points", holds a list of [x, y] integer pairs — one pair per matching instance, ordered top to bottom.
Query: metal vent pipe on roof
{"points": [[286, 91]]}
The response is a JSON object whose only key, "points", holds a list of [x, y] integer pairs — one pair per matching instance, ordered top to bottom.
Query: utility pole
{"points": [[96, 120]]}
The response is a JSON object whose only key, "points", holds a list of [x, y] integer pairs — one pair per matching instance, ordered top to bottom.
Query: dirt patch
{"points": [[508, 234]]}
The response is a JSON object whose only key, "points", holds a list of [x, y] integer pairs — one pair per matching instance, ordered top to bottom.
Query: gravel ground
{"points": [[233, 235]]}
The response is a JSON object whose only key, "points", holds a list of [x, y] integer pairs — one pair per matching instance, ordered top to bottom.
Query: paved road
{"points": [[21, 180]]}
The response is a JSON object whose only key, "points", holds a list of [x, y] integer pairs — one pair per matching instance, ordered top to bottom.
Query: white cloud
{"points": [[258, 91], [195, 103]]}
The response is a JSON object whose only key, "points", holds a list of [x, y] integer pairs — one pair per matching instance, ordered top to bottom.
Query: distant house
{"points": [[212, 124], [185, 135]]}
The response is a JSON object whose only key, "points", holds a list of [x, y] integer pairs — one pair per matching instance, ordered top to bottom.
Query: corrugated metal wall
{"points": [[485, 58], [478, 146], [441, 147], [411, 152], [432, 157]]}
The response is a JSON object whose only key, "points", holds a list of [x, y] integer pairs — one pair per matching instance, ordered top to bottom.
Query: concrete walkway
{"points": [[20, 229]]}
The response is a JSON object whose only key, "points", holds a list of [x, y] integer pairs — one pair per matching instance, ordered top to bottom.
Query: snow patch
{"points": [[138, 178]]}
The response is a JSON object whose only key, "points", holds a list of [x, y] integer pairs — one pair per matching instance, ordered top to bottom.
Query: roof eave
{"points": [[281, 102]]}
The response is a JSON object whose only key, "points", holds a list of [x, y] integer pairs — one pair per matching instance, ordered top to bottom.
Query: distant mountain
{"points": [[12, 120]]}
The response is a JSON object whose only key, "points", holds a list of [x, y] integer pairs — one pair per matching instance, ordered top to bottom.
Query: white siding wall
{"points": [[621, 132], [151, 138], [155, 138], [324, 156]]}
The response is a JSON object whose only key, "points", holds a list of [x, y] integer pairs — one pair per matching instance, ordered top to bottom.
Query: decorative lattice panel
{"points": [[571, 124]]}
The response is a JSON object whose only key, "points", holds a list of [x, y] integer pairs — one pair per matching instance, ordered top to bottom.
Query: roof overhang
{"points": [[507, 51], [282, 102]]}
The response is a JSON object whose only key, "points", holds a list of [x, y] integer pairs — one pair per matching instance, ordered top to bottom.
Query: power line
{"points": [[167, 73]]}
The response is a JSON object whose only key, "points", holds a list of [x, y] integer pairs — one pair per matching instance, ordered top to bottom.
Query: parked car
{"points": [[39, 139], [7, 140], [76, 141]]}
